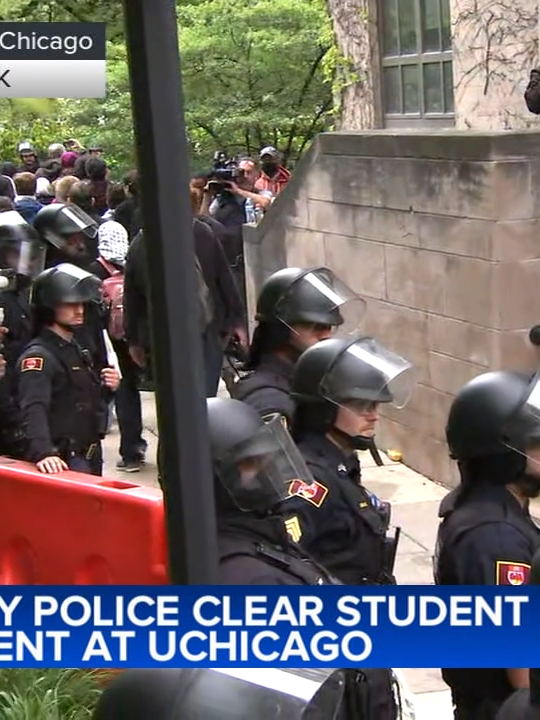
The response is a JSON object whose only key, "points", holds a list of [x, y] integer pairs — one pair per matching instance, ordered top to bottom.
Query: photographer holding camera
{"points": [[230, 194]]}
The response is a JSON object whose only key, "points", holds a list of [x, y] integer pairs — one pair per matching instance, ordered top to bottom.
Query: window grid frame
{"points": [[417, 59]]}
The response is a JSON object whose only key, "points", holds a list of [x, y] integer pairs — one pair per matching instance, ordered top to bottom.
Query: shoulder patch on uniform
{"points": [[32, 363], [272, 416], [314, 493], [292, 526], [512, 573]]}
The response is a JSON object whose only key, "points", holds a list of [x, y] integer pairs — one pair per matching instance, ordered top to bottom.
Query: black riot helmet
{"points": [[57, 223], [22, 253], [63, 284], [309, 296], [340, 371], [354, 374], [490, 414], [254, 461]]}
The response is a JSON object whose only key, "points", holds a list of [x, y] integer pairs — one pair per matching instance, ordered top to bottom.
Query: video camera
{"points": [[224, 170]]}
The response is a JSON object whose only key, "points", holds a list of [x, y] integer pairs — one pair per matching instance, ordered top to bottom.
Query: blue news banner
{"points": [[198, 627]]}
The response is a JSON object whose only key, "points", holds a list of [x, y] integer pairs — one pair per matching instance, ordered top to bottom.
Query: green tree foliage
{"points": [[255, 73]]}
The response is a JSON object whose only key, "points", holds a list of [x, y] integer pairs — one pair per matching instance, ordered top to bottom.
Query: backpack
{"points": [[113, 296], [205, 298]]}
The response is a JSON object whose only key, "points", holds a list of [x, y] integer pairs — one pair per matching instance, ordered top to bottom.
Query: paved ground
{"points": [[415, 503]]}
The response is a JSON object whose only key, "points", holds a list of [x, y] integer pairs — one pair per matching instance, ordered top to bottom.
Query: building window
{"points": [[417, 62]]}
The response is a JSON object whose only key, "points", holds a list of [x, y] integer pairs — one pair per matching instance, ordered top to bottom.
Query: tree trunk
{"points": [[358, 73]]}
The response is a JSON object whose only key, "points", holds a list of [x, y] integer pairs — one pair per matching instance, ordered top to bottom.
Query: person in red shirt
{"points": [[274, 176]]}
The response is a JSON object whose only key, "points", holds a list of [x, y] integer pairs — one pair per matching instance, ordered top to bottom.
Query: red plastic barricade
{"points": [[78, 529]]}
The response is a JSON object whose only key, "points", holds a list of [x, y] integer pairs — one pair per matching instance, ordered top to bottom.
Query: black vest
{"points": [[76, 417], [370, 559], [300, 569]]}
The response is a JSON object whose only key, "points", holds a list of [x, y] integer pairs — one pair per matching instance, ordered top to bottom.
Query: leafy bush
{"points": [[48, 694]]}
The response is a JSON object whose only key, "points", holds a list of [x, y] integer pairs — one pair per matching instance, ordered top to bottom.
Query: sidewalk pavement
{"points": [[415, 501]]}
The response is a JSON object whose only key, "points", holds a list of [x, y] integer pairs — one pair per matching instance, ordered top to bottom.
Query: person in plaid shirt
{"points": [[274, 176]]}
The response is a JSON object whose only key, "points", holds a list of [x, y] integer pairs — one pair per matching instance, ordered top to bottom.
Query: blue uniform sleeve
{"points": [[494, 554]]}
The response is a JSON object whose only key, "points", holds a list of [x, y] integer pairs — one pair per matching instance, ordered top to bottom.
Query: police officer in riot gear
{"points": [[71, 235], [22, 258], [295, 309], [338, 386], [62, 395], [254, 462], [487, 536]]}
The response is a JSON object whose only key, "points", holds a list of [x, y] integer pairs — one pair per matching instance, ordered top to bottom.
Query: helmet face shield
{"points": [[75, 220], [20, 247], [65, 284], [320, 298], [366, 373], [521, 432], [257, 472]]}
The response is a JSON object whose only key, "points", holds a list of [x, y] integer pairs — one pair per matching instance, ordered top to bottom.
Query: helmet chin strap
{"points": [[355, 442]]}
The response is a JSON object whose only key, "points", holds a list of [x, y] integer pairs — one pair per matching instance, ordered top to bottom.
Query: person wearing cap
{"points": [[29, 158], [67, 161], [274, 176], [22, 258], [296, 308], [338, 386], [62, 395], [487, 535]]}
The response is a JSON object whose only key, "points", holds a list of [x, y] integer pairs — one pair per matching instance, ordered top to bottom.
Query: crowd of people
{"points": [[65, 209]]}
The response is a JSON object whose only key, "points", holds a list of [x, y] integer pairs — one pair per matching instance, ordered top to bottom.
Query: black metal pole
{"points": [[154, 67]]}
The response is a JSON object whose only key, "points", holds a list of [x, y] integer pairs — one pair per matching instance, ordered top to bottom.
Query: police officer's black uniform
{"points": [[71, 236], [22, 258], [291, 297], [60, 392], [252, 463], [336, 519], [487, 536]]}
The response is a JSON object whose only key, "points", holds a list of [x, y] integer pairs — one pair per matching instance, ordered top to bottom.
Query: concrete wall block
{"points": [[319, 182], [355, 184], [444, 187], [299, 216], [328, 217], [397, 227], [456, 236], [515, 240], [305, 248], [360, 263], [416, 278], [469, 290], [515, 293], [462, 340], [513, 351], [448, 374]]}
